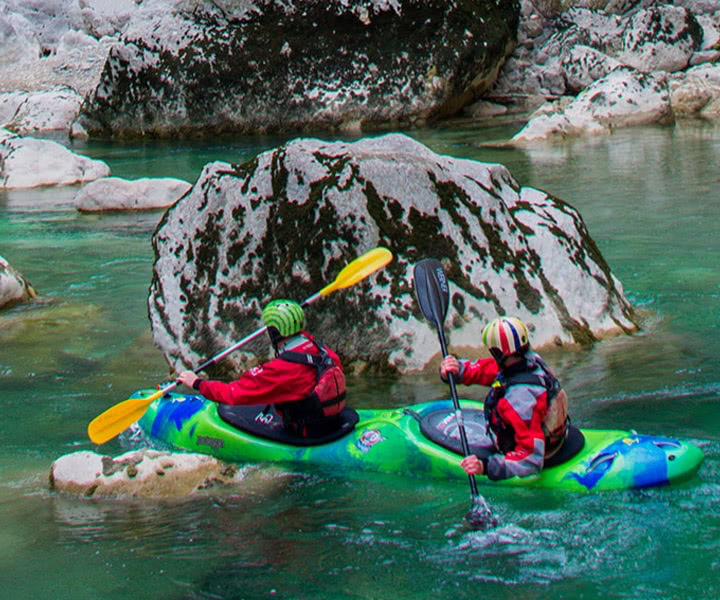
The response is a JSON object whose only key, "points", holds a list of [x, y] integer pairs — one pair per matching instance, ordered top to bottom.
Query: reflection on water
{"points": [[649, 198]]}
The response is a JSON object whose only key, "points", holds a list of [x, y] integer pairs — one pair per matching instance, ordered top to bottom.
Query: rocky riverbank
{"points": [[173, 67]]}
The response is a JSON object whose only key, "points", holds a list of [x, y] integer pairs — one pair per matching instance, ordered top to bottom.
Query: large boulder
{"points": [[661, 38], [201, 67], [286, 222]]}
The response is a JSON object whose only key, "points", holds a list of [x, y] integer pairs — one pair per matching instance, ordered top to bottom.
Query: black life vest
{"points": [[317, 414], [556, 421]]}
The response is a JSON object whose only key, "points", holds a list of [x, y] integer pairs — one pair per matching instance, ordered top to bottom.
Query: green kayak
{"points": [[421, 439]]}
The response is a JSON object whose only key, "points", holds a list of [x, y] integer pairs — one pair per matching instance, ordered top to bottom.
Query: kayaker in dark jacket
{"points": [[304, 382], [526, 410]]}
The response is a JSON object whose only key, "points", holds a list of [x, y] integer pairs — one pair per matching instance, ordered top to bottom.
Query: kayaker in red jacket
{"points": [[304, 382], [526, 410]]}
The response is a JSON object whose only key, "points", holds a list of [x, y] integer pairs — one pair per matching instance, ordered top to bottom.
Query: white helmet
{"points": [[505, 336]]}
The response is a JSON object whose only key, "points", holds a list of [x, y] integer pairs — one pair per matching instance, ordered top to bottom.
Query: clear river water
{"points": [[651, 200]]}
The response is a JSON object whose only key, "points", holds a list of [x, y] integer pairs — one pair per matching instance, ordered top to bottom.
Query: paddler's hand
{"points": [[449, 364], [187, 378], [472, 465]]}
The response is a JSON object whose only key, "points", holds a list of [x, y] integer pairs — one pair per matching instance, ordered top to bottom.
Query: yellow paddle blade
{"points": [[359, 269], [119, 417]]}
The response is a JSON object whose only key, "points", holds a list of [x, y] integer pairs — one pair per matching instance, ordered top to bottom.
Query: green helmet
{"points": [[286, 316]]}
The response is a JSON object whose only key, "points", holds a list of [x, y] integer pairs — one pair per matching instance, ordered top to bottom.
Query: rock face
{"points": [[660, 37], [628, 62], [203, 67], [285, 223], [14, 288], [139, 473]]}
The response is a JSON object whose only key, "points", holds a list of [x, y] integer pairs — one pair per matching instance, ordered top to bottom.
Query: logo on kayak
{"points": [[263, 418], [448, 427], [368, 439], [214, 443]]}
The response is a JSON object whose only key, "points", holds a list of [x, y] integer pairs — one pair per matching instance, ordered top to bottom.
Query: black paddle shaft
{"points": [[433, 294]]}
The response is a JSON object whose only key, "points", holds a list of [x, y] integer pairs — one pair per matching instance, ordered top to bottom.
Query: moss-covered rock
{"points": [[208, 67], [285, 223]]}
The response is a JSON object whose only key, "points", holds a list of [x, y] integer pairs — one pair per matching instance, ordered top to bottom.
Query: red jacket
{"points": [[274, 382], [518, 415]]}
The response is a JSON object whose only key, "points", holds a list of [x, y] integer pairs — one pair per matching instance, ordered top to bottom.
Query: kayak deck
{"points": [[391, 441]]}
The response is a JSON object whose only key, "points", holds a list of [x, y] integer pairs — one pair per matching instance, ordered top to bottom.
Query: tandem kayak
{"points": [[421, 439]]}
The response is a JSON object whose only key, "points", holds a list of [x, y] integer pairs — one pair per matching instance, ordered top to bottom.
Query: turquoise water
{"points": [[650, 200]]}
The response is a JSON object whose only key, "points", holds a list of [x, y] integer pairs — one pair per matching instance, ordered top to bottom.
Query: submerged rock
{"points": [[285, 223], [14, 288], [139, 473]]}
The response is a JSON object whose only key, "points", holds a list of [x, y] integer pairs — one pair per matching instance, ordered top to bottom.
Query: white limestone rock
{"points": [[700, 6], [108, 17], [711, 30], [661, 38], [19, 42], [50, 43], [585, 43], [585, 65], [696, 92], [625, 97], [9, 104], [47, 111], [27, 162], [116, 194], [285, 223], [14, 288], [139, 473]]}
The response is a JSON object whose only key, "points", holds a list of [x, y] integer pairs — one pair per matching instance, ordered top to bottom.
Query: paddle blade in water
{"points": [[431, 290], [433, 296], [119, 417], [479, 516]]}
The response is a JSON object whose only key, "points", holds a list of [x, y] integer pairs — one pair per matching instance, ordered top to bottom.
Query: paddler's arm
{"points": [[483, 371], [273, 382]]}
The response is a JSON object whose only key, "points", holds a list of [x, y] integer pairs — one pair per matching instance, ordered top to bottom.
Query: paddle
{"points": [[433, 294], [119, 417]]}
